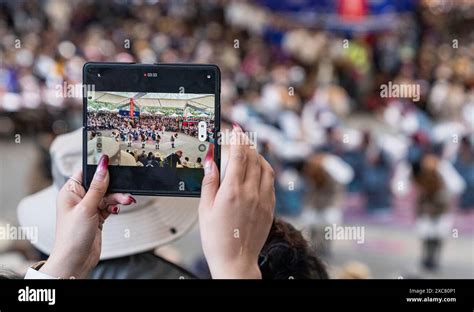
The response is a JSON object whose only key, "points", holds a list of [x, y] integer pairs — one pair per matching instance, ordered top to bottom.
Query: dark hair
{"points": [[426, 176], [286, 254], [8, 274]]}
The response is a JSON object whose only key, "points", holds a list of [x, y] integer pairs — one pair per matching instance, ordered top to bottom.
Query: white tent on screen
{"points": [[158, 102]]}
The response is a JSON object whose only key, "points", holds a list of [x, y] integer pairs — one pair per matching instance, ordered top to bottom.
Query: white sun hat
{"points": [[150, 223]]}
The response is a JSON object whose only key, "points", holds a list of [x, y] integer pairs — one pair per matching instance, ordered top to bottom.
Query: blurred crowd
{"points": [[312, 96]]}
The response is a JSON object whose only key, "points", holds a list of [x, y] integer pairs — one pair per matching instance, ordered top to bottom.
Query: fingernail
{"points": [[209, 158], [101, 171], [132, 200], [116, 209]]}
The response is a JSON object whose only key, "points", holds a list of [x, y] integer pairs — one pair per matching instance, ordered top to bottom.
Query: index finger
{"points": [[74, 184]]}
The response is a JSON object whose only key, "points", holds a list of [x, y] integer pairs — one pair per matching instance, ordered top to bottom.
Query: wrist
{"points": [[63, 268], [236, 270]]}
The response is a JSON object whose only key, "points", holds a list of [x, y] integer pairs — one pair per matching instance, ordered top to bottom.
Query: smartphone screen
{"points": [[156, 139]]}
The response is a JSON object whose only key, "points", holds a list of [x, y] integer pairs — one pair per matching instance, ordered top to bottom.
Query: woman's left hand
{"points": [[79, 220]]}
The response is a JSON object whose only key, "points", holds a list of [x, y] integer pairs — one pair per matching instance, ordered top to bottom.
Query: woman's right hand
{"points": [[235, 218]]}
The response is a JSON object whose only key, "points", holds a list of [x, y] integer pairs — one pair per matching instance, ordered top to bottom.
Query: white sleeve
{"points": [[338, 169], [453, 181], [33, 274]]}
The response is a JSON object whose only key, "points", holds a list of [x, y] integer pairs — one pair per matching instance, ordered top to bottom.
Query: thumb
{"points": [[210, 183], [98, 186]]}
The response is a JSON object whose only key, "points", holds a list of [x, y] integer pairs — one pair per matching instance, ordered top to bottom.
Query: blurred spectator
{"points": [[464, 164], [327, 176], [437, 182]]}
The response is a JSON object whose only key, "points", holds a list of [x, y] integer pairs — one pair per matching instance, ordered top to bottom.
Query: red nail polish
{"points": [[210, 153], [209, 158], [103, 163], [101, 171], [132, 200], [116, 209]]}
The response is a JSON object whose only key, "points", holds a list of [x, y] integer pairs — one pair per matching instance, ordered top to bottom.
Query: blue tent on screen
{"points": [[126, 113]]}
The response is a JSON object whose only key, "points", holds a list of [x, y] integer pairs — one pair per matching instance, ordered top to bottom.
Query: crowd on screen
{"points": [[146, 127]]}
